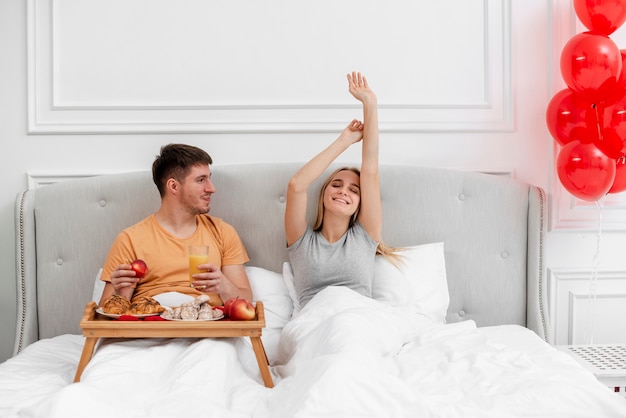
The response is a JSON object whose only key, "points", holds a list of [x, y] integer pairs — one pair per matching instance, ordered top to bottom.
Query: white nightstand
{"points": [[606, 361]]}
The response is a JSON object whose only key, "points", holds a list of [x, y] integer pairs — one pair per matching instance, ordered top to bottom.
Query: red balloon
{"points": [[601, 16], [591, 65], [621, 81], [620, 88], [570, 118], [615, 118], [610, 144], [585, 171], [619, 184]]}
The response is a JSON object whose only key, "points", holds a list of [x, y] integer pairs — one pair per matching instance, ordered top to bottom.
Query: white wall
{"points": [[98, 86]]}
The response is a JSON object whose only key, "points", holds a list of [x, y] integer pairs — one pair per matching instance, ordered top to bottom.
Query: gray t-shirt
{"points": [[317, 264]]}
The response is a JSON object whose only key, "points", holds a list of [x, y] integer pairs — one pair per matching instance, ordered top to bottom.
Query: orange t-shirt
{"points": [[166, 256]]}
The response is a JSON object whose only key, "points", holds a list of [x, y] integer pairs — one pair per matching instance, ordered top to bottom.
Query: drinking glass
{"points": [[198, 254]]}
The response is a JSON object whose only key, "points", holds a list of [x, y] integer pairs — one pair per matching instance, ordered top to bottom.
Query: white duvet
{"points": [[342, 356]]}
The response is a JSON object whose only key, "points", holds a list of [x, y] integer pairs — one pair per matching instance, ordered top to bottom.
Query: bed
{"points": [[461, 330]]}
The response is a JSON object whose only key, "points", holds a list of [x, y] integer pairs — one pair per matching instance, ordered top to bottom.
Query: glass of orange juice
{"points": [[198, 254]]}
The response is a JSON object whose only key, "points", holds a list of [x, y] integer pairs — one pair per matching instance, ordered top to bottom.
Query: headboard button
{"points": [[461, 196], [282, 199], [103, 203], [504, 254], [59, 261], [461, 313]]}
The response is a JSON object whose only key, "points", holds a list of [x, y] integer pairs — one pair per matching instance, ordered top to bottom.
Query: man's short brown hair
{"points": [[175, 161]]}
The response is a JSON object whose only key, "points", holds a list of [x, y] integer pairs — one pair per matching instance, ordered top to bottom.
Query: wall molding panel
{"points": [[94, 69], [40, 178], [572, 214], [583, 312]]}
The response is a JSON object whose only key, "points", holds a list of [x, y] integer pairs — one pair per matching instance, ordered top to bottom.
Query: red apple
{"points": [[140, 268], [228, 304], [239, 309]]}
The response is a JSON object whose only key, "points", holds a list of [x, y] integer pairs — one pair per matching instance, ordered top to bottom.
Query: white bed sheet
{"points": [[341, 356]]}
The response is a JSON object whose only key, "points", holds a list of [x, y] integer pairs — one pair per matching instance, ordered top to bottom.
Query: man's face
{"points": [[197, 189]]}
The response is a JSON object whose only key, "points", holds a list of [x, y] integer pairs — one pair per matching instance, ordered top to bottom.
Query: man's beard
{"points": [[195, 210]]}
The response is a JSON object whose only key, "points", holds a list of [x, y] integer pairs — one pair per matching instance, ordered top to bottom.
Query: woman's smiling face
{"points": [[343, 193]]}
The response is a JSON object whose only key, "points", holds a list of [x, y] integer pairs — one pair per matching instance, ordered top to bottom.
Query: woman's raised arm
{"points": [[295, 210], [370, 215]]}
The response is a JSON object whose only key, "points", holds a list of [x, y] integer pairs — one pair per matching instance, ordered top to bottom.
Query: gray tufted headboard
{"points": [[492, 228]]}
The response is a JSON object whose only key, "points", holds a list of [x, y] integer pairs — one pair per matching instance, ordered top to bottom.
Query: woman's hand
{"points": [[357, 85], [353, 132]]}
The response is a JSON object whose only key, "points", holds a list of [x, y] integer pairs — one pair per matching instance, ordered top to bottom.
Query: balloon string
{"points": [[598, 122], [593, 281]]}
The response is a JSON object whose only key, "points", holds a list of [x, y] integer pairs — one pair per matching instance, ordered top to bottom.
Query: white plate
{"points": [[172, 298], [110, 315], [194, 320]]}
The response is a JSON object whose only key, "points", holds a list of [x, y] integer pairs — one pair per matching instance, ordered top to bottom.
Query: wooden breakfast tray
{"points": [[96, 326]]}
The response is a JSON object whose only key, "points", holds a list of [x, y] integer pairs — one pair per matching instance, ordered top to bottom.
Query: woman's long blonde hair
{"points": [[390, 253]]}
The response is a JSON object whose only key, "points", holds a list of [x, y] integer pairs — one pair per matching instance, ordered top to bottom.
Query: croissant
{"points": [[116, 305], [145, 305]]}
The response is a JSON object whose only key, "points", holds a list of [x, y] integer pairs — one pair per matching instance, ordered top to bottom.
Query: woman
{"points": [[340, 249]]}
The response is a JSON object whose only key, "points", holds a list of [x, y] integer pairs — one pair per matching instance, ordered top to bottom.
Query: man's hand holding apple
{"points": [[125, 277]]}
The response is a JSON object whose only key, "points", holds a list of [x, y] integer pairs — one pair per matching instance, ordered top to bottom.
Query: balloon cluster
{"points": [[588, 118]]}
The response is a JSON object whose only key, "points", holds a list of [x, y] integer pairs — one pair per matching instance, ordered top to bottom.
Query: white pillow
{"points": [[420, 282], [269, 287], [291, 287], [98, 288]]}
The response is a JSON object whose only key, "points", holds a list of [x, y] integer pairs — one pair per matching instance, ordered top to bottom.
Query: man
{"points": [[182, 175]]}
